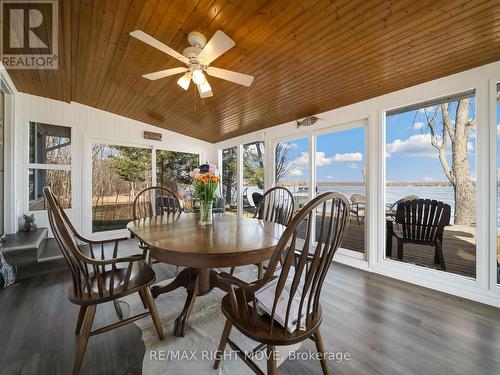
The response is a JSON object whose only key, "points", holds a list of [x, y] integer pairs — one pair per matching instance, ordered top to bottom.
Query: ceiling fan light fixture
{"points": [[198, 76], [184, 81], [205, 86]]}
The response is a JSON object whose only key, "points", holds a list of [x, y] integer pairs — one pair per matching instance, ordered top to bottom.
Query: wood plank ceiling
{"points": [[307, 56]]}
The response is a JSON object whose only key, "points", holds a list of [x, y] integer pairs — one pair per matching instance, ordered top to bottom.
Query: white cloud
{"points": [[418, 125], [498, 129], [416, 145], [349, 156], [323, 160], [353, 166], [296, 172], [330, 177], [428, 179]]}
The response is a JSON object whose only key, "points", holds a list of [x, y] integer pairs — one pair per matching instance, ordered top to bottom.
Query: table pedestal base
{"points": [[197, 283]]}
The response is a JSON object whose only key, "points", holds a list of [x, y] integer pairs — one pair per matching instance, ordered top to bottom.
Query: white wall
{"points": [[482, 79], [88, 125]]}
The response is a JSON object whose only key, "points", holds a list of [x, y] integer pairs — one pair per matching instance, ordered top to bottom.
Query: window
{"points": [[431, 154], [340, 157], [49, 164], [292, 168], [172, 171], [118, 174], [253, 175], [229, 183]]}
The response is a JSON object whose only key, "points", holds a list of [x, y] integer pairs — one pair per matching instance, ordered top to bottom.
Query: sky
{"points": [[410, 156]]}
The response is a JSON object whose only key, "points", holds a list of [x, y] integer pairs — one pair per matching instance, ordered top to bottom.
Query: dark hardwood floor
{"points": [[388, 327]]}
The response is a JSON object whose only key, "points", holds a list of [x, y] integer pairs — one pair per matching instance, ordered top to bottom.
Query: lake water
{"points": [[394, 193]]}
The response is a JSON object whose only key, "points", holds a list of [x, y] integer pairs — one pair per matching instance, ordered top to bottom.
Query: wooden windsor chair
{"points": [[154, 201], [277, 206], [96, 280], [295, 295]]}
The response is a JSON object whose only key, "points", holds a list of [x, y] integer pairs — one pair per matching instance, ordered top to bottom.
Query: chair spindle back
{"points": [[155, 201], [276, 205], [91, 274], [298, 282]]}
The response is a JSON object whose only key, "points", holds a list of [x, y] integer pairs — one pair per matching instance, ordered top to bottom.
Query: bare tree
{"points": [[442, 129], [283, 160]]}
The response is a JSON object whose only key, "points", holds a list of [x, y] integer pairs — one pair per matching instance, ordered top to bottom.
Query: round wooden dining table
{"points": [[181, 240]]}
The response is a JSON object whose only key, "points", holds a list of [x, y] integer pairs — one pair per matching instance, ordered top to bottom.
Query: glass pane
{"points": [[49, 144], [430, 154], [340, 167], [292, 168], [172, 171], [292, 172], [118, 174], [253, 176], [498, 179], [58, 181], [229, 184]]}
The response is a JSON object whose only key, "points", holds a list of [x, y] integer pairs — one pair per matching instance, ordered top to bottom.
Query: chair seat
{"points": [[399, 235], [141, 276], [260, 332]]}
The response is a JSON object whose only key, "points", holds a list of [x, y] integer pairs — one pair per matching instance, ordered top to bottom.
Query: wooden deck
{"points": [[459, 249]]}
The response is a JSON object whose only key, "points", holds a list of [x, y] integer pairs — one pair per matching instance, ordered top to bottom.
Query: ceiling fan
{"points": [[198, 57]]}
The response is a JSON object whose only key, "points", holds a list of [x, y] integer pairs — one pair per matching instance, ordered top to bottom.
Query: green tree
{"points": [[132, 164], [172, 168]]}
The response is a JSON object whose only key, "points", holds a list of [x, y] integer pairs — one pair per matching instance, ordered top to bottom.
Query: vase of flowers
{"points": [[205, 186]]}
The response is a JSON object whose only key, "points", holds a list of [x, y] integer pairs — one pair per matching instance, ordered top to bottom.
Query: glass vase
{"points": [[206, 213]]}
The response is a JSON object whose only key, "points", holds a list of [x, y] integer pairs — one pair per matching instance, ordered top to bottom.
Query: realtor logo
{"points": [[29, 34]]}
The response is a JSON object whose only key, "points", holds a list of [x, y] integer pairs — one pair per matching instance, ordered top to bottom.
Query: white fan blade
{"points": [[148, 39], [216, 46], [165, 73], [229, 75], [205, 90]]}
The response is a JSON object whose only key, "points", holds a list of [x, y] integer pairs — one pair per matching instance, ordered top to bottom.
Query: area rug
{"points": [[194, 353]]}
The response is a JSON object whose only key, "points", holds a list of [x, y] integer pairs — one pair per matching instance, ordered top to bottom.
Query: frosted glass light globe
{"points": [[198, 76]]}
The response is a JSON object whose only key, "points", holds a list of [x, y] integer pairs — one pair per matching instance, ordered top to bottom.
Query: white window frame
{"points": [[55, 167], [493, 286]]}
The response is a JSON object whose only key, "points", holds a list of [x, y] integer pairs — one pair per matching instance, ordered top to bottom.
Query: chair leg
{"points": [[388, 239], [400, 249], [439, 251], [232, 270], [260, 270], [148, 297], [143, 300], [118, 309], [79, 322], [84, 338], [223, 343], [321, 350], [271, 361]]}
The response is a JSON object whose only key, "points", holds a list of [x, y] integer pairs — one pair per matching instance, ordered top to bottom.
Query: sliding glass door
{"points": [[340, 167], [172, 172], [118, 174]]}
